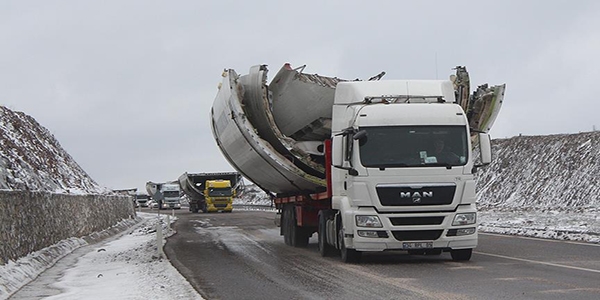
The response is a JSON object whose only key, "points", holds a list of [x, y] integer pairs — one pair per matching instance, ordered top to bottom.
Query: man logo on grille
{"points": [[416, 196]]}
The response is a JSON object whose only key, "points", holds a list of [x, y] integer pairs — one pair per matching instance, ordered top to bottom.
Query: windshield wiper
{"points": [[447, 165]]}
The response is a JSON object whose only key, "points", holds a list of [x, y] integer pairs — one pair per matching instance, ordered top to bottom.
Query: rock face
{"points": [[32, 159], [542, 172], [45, 196]]}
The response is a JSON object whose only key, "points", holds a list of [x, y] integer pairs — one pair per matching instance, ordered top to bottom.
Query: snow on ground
{"points": [[582, 224], [124, 267], [128, 267]]}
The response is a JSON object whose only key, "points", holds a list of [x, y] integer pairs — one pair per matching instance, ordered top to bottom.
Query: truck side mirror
{"points": [[361, 136], [485, 148], [337, 155]]}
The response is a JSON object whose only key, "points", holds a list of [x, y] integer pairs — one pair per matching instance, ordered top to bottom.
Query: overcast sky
{"points": [[127, 86]]}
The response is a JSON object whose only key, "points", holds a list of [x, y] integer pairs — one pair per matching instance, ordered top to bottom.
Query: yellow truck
{"points": [[211, 191], [219, 195]]}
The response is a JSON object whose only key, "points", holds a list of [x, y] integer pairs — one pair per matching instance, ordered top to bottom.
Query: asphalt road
{"points": [[240, 255]]}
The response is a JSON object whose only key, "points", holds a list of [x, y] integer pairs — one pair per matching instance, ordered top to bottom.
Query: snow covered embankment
{"points": [[543, 186]]}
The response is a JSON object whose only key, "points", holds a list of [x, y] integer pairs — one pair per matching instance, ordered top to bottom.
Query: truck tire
{"points": [[194, 208], [285, 225], [298, 235], [324, 248], [461, 254], [348, 255]]}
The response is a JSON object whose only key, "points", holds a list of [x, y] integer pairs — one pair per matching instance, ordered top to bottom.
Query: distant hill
{"points": [[32, 159], [542, 172]]}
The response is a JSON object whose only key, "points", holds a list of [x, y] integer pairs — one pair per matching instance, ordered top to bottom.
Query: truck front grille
{"points": [[408, 195], [402, 221], [417, 235]]}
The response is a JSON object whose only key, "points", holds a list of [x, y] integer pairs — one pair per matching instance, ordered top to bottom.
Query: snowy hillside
{"points": [[32, 159], [558, 172]]}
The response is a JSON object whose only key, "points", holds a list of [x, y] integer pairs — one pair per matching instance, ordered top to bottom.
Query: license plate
{"points": [[417, 245]]}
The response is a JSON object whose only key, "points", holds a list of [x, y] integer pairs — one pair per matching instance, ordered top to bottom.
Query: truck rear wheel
{"points": [[461, 254]]}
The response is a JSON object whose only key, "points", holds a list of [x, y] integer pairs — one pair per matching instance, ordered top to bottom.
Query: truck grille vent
{"points": [[417, 221], [417, 235]]}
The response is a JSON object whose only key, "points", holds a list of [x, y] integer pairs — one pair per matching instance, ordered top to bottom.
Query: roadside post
{"points": [[159, 197], [159, 238]]}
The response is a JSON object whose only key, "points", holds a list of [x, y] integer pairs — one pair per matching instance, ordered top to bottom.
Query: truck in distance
{"points": [[367, 165], [195, 187], [166, 195], [219, 195], [142, 199]]}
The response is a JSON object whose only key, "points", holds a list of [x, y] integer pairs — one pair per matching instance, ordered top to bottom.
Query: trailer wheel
{"points": [[285, 225], [298, 235], [324, 248], [461, 254]]}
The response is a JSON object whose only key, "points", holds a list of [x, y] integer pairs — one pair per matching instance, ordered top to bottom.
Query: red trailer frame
{"points": [[307, 206]]}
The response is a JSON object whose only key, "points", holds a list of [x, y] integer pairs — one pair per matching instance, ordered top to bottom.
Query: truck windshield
{"points": [[414, 146], [219, 192], [171, 194]]}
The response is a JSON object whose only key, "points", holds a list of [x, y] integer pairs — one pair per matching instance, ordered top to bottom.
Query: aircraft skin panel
{"points": [[246, 151]]}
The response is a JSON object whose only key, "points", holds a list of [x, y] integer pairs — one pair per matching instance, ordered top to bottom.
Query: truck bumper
{"points": [[410, 237], [370, 244]]}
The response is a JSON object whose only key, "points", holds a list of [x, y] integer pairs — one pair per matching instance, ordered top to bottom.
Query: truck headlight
{"points": [[464, 219], [368, 221]]}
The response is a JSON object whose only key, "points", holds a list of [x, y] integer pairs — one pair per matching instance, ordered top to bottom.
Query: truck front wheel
{"points": [[461, 254], [348, 255]]}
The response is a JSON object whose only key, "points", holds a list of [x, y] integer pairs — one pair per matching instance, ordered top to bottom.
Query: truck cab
{"points": [[402, 170], [219, 195], [171, 196], [142, 199]]}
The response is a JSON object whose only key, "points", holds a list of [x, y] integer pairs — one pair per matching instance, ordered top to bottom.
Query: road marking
{"points": [[539, 239], [538, 262]]}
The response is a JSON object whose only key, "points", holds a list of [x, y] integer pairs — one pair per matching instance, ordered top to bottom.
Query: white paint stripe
{"points": [[538, 239], [538, 262]]}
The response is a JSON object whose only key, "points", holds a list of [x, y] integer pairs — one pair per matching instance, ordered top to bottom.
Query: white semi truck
{"points": [[368, 165], [167, 194]]}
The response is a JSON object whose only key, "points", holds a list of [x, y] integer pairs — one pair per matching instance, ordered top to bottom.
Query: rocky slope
{"points": [[32, 159], [542, 173]]}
